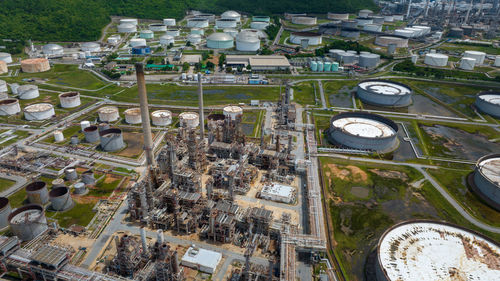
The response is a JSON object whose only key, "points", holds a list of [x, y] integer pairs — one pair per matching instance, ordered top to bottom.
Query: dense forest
{"points": [[82, 20]]}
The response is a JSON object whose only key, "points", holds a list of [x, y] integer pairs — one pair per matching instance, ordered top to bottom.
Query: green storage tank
{"points": [[314, 66]]}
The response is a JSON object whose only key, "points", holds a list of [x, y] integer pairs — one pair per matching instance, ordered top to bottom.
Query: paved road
{"points": [[322, 94]]}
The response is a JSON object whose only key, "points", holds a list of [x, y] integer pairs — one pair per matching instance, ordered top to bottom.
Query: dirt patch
{"points": [[135, 145], [342, 174], [358, 174], [390, 174], [111, 178], [73, 242]]}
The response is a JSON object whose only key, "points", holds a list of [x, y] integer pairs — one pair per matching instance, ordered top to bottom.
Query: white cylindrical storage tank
{"points": [[365, 13], [231, 15], [335, 16], [398, 17], [388, 18], [304, 20], [378, 20], [129, 21], [364, 21], [169, 22], [197, 22], [226, 23], [260, 25], [157, 27], [372, 27], [127, 28], [425, 29], [196, 30], [173, 32], [231, 32], [403, 32], [416, 32], [147, 34], [313, 37], [194, 38], [114, 39], [166, 40], [385, 40], [220, 41], [136, 42], [247, 42], [91, 47], [52, 49], [335, 53], [478, 56], [6, 57], [347, 58], [414, 58], [436, 59], [369, 60], [497, 61], [467, 63], [35, 65], [3, 67], [3, 86], [14, 87], [384, 93], [70, 99], [489, 102], [9, 107], [39, 111], [233, 112], [108, 114], [133, 115], [161, 118], [189, 120], [84, 124], [364, 131], [91, 134], [58, 136], [111, 140], [70, 174], [486, 178], [58, 182], [80, 188], [37, 192], [60, 199], [5, 210], [27, 222]]}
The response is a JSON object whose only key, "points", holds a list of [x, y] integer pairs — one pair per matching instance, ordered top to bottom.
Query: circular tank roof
{"points": [[230, 14], [219, 36], [247, 37], [51, 47], [385, 87], [490, 97], [8, 101], [38, 107], [108, 109], [233, 109], [133, 111], [161, 113], [189, 115], [365, 125], [490, 168], [58, 191], [426, 250]]}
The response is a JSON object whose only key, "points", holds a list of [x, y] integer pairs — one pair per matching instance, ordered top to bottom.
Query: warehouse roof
{"points": [[277, 61], [201, 258]]}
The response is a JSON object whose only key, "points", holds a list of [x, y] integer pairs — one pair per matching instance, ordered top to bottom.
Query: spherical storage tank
{"points": [[231, 15], [335, 16], [304, 20], [129, 21], [169, 22], [197, 22], [226, 23], [260, 25], [156, 27], [127, 28], [147, 34], [313, 37], [194, 38], [166, 39], [385, 40], [220, 41], [247, 41], [136, 42], [91, 47], [52, 49], [141, 50], [478, 56], [6, 57], [435, 59], [368, 60], [467, 63], [35, 65], [3, 67], [27, 92], [384, 93], [69, 99], [489, 102], [9, 107], [39, 111], [232, 112], [108, 114], [133, 115], [161, 118], [189, 120], [365, 131], [91, 134], [111, 140], [486, 180], [37, 192], [60, 199], [5, 210], [27, 222], [431, 250]]}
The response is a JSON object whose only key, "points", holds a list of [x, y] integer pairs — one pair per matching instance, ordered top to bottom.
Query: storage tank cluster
{"points": [[336, 16], [304, 20], [197, 22], [157, 27], [312, 38], [220, 40], [386, 40], [247, 41], [91, 47], [52, 49], [478, 56], [6, 57], [435, 59], [35, 65], [323, 65], [27, 92], [384, 93], [70, 99], [489, 103], [9, 107], [39, 111], [108, 114], [133, 115], [161, 117], [189, 120], [364, 131], [111, 140], [486, 180], [432, 250]]}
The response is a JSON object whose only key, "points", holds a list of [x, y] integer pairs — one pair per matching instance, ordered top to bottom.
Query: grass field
{"points": [[284, 36], [460, 48], [335, 88], [303, 93], [5, 184], [17, 199], [80, 214]]}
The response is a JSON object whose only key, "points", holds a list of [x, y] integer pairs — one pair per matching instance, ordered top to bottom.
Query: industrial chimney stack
{"points": [[200, 102], [146, 127]]}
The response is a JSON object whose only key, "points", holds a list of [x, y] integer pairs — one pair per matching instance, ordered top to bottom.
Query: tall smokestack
{"points": [[426, 8], [408, 11], [468, 12], [200, 103], [146, 127], [144, 241]]}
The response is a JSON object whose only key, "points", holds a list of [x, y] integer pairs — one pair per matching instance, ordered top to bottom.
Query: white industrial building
{"points": [[259, 63], [278, 192], [201, 259]]}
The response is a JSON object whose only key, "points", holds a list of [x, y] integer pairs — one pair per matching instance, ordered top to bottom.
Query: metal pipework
{"points": [[200, 103], [146, 127]]}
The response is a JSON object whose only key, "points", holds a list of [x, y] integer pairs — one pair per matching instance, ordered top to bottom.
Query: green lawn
{"points": [[284, 36], [456, 47], [334, 87], [303, 93], [5, 184], [102, 189], [17, 199], [80, 214]]}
